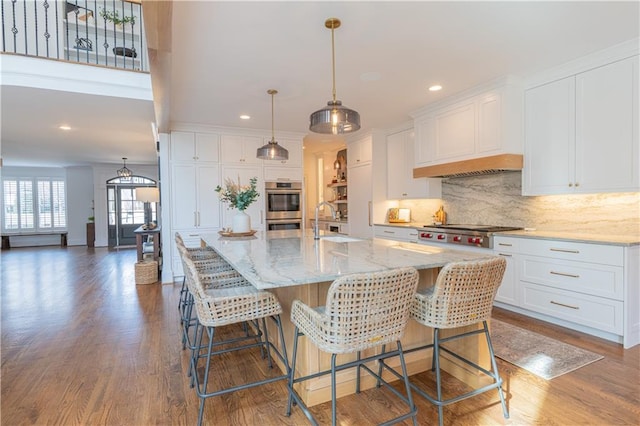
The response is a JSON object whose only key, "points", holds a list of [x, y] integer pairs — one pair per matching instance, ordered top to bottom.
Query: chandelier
{"points": [[334, 118], [272, 151], [125, 172]]}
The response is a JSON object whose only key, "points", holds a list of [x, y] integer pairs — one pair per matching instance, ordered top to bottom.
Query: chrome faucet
{"points": [[316, 232]]}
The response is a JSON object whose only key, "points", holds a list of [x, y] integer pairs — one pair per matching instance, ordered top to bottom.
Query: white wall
{"points": [[79, 203]]}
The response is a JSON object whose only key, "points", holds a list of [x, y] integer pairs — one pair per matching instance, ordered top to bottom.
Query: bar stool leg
{"points": [[436, 350], [494, 365], [292, 373], [333, 390]]}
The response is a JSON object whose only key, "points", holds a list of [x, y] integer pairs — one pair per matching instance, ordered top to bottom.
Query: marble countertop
{"points": [[575, 236], [287, 258]]}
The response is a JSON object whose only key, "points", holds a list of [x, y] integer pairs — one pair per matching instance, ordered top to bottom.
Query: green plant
{"points": [[114, 16], [238, 196], [91, 218]]}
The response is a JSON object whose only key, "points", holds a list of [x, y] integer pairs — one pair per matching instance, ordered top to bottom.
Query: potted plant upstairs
{"points": [[114, 17], [239, 197]]}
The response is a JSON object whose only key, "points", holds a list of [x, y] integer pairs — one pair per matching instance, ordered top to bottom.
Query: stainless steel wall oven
{"points": [[283, 205]]}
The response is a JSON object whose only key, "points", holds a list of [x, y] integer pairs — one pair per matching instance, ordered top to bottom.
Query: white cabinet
{"points": [[477, 124], [581, 133], [189, 146], [240, 149], [359, 152], [243, 174], [400, 181], [195, 204], [397, 233], [588, 287], [508, 290]]}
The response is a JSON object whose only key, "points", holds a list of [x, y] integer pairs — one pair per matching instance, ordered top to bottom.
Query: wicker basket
{"points": [[146, 272]]}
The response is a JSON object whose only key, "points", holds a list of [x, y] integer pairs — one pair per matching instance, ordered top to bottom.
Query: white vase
{"points": [[241, 223]]}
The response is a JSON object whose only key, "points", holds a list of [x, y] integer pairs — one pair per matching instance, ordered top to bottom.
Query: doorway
{"points": [[124, 213]]}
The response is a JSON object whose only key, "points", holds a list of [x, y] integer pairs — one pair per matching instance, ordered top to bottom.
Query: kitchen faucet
{"points": [[316, 232]]}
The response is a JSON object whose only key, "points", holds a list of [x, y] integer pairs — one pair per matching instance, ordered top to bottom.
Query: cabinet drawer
{"points": [[396, 233], [506, 244], [583, 252], [587, 278], [591, 311]]}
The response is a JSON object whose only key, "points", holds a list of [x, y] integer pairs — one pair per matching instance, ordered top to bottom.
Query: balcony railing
{"points": [[97, 32]]}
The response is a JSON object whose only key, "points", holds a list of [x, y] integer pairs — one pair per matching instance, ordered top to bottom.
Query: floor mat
{"points": [[540, 355]]}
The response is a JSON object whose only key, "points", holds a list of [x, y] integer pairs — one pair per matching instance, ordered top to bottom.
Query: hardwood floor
{"points": [[82, 344]]}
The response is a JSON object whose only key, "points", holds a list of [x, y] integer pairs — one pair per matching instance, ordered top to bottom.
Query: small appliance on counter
{"points": [[397, 215]]}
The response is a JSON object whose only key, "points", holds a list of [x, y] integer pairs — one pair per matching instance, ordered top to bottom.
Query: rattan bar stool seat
{"points": [[362, 311]]}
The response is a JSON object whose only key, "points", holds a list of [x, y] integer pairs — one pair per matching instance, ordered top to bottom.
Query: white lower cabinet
{"points": [[589, 287]]}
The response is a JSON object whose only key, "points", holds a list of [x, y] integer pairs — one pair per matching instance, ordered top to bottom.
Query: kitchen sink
{"points": [[340, 239]]}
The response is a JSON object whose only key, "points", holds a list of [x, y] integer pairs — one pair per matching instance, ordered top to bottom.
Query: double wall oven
{"points": [[283, 205]]}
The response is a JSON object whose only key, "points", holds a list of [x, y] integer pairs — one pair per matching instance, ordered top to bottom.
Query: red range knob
{"points": [[441, 237], [457, 238], [471, 240]]}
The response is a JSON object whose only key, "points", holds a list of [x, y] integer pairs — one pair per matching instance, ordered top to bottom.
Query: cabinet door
{"points": [[489, 124], [607, 128], [455, 131], [549, 138], [424, 142], [182, 146], [207, 147], [294, 147], [240, 149], [359, 152], [208, 177], [400, 181], [184, 194], [359, 201], [255, 210], [508, 291]]}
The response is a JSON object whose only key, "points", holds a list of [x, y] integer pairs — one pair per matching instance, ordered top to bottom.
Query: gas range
{"points": [[465, 235]]}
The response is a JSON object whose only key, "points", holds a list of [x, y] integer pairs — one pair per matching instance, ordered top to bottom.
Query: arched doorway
{"points": [[124, 213]]}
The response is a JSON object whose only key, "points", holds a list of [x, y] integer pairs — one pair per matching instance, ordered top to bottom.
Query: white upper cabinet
{"points": [[485, 121], [581, 132], [190, 146], [294, 146], [240, 149], [359, 152], [400, 181], [195, 204]]}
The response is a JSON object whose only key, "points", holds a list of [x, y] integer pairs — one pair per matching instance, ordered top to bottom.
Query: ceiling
{"points": [[218, 59]]}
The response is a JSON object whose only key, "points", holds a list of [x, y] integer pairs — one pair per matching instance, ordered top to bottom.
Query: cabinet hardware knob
{"points": [[570, 184], [577, 184]]}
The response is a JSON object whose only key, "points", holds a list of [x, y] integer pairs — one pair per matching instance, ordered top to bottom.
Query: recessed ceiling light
{"points": [[435, 88], [245, 117], [64, 127]]}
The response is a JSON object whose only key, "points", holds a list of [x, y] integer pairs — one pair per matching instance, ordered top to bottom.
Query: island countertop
{"points": [[277, 259]]}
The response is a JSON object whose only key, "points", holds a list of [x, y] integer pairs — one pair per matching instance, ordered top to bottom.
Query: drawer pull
{"points": [[389, 232], [505, 244], [565, 251], [505, 255], [564, 275], [566, 306]]}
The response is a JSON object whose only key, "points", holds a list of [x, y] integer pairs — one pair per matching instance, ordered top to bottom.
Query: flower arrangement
{"points": [[238, 196]]}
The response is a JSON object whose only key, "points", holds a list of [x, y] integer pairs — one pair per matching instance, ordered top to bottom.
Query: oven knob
{"points": [[428, 236], [441, 237], [457, 238], [471, 240], [479, 240]]}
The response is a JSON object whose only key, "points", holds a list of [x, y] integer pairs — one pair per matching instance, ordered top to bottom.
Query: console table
{"points": [[140, 233]]}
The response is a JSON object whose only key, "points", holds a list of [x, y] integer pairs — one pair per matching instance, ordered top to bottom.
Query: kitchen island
{"points": [[293, 265]]}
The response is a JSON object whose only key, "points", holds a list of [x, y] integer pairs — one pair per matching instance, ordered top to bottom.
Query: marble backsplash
{"points": [[496, 200]]}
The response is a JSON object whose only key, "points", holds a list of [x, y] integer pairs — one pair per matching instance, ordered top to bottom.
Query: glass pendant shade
{"points": [[334, 119], [272, 151]]}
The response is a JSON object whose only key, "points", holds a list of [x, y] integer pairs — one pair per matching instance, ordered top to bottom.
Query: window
{"points": [[34, 204]]}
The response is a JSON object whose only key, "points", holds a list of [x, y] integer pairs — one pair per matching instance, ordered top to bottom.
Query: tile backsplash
{"points": [[497, 200]]}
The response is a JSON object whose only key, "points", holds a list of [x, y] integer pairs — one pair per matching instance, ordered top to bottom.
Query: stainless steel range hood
{"points": [[473, 167]]}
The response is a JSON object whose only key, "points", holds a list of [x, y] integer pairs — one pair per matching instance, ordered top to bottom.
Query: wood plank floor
{"points": [[82, 344]]}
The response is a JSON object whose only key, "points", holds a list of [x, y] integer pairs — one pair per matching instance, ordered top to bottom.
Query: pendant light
{"points": [[334, 118], [272, 151], [124, 172]]}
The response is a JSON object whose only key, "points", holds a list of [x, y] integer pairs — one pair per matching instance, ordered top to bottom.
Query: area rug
{"points": [[540, 355]]}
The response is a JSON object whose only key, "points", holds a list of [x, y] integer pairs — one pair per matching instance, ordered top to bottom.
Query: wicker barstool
{"points": [[462, 295], [220, 306], [362, 311]]}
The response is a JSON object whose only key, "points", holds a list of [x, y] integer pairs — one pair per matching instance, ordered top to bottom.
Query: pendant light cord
{"points": [[333, 60], [273, 131]]}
